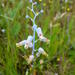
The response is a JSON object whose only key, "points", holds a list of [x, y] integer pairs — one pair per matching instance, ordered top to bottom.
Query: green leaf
{"points": [[14, 11], [71, 25], [15, 29], [73, 44], [26, 72]]}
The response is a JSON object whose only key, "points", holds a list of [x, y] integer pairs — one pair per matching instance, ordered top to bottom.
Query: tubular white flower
{"points": [[66, 1], [39, 32], [40, 35], [44, 39], [21, 43], [28, 44], [41, 51], [30, 59]]}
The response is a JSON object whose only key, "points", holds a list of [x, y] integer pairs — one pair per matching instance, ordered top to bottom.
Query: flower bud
{"points": [[41, 11], [27, 16], [35, 27], [3, 30], [30, 38], [40, 50]]}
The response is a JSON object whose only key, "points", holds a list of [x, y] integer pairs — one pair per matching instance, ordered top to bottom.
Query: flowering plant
{"points": [[30, 42]]}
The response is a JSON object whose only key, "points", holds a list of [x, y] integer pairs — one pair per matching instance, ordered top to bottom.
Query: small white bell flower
{"points": [[39, 32], [40, 35], [44, 39], [21, 43], [28, 44], [41, 51], [30, 59]]}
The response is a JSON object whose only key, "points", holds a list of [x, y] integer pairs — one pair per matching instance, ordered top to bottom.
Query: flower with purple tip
{"points": [[35, 3], [39, 32], [40, 35], [26, 43], [41, 51], [30, 59]]}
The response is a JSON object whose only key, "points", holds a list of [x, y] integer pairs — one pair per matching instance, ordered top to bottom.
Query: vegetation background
{"points": [[14, 27]]}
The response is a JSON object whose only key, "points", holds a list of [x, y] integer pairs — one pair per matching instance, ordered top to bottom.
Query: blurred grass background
{"points": [[14, 27]]}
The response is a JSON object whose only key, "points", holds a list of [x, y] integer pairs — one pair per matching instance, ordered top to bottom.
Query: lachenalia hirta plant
{"points": [[30, 41]]}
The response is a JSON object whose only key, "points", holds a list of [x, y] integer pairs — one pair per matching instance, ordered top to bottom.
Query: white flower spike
{"points": [[30, 41]]}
